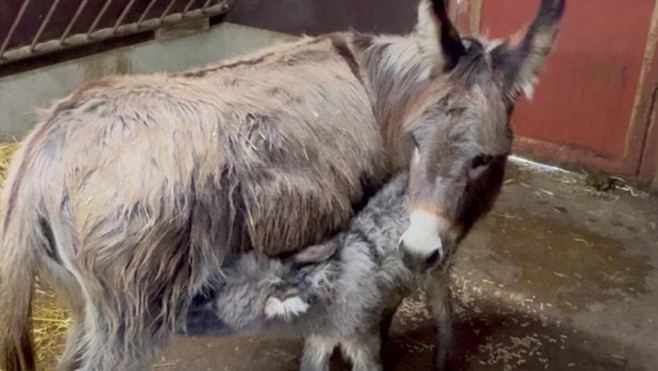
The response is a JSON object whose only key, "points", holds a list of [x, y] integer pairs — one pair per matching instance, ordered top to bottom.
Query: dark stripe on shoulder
{"points": [[340, 45], [198, 73], [201, 73], [78, 97]]}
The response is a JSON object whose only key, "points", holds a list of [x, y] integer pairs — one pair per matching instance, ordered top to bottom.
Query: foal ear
{"points": [[438, 38], [521, 58]]}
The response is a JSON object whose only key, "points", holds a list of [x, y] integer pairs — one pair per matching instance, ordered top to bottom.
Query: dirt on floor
{"points": [[557, 277]]}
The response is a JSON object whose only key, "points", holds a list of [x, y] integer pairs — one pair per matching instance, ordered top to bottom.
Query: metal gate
{"points": [[31, 27]]}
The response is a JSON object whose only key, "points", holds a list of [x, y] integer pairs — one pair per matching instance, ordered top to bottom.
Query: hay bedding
{"points": [[6, 152]]}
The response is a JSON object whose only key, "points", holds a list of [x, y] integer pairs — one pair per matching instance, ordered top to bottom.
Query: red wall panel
{"points": [[583, 105]]}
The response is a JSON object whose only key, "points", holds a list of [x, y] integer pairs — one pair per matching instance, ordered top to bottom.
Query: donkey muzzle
{"points": [[421, 245], [419, 262]]}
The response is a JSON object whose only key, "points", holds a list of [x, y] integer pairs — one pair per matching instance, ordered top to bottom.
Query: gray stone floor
{"points": [[557, 277]]}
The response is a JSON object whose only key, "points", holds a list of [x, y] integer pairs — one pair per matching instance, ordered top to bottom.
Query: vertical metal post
{"points": [[205, 6], [187, 8], [146, 11], [166, 11], [122, 16], [98, 17], [44, 24], [13, 27], [69, 27]]}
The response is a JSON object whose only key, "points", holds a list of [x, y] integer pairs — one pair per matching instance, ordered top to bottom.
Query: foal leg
{"points": [[439, 295], [387, 316], [385, 325], [317, 352], [363, 353]]}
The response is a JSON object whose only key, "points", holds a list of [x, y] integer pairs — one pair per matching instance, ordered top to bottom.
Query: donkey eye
{"points": [[481, 160]]}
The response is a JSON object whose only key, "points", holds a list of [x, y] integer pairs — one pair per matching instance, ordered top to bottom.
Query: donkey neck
{"points": [[395, 73]]}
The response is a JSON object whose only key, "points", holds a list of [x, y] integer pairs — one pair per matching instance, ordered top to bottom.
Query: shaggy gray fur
{"points": [[349, 292]]}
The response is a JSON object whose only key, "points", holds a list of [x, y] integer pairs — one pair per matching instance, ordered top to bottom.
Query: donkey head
{"points": [[460, 127]]}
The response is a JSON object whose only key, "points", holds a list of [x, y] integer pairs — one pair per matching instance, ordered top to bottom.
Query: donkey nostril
{"points": [[433, 258]]}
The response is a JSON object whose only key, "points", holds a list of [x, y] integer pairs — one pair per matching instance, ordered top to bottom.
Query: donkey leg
{"points": [[439, 295], [70, 296], [385, 323], [111, 347], [317, 352], [363, 353], [70, 359]]}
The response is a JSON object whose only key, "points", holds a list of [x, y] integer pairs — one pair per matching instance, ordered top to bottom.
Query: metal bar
{"points": [[205, 6], [187, 7], [167, 10], [146, 11], [123, 15], [98, 17], [72, 22], [44, 24], [13, 27]]}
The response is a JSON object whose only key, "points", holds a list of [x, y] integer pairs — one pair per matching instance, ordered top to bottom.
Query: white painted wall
{"points": [[21, 94]]}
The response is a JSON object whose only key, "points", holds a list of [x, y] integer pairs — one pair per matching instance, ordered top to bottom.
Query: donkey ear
{"points": [[438, 38], [522, 56]]}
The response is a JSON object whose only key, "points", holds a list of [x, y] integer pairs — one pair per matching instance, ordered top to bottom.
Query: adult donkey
{"points": [[131, 190]]}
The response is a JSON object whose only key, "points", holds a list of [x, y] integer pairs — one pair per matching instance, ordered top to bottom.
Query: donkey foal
{"points": [[340, 300]]}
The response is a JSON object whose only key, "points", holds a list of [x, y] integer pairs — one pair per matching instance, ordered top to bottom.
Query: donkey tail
{"points": [[20, 242]]}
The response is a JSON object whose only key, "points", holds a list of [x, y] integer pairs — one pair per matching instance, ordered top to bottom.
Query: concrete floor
{"points": [[557, 277]]}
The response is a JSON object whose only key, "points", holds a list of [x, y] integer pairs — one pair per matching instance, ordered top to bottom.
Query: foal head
{"points": [[459, 125]]}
